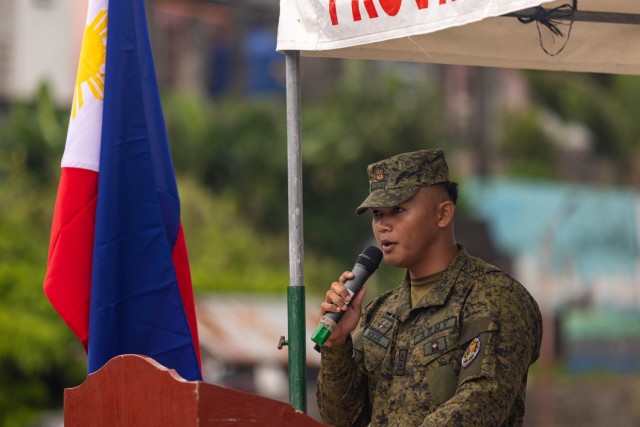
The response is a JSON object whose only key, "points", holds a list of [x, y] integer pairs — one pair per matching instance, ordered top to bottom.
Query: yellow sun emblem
{"points": [[92, 61]]}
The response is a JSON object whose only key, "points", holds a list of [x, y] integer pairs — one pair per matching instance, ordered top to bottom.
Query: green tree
{"points": [[605, 104], [369, 116], [30, 137], [528, 146], [236, 147], [239, 149], [230, 159], [227, 254], [39, 356]]}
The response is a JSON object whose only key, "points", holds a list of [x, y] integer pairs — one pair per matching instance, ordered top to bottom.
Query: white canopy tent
{"points": [[594, 36], [604, 37]]}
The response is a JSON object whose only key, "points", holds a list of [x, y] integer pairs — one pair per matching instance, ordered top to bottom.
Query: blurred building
{"points": [[40, 42], [200, 46], [217, 47], [577, 249], [239, 336]]}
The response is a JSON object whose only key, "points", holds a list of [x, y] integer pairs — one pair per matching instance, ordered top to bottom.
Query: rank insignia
{"points": [[384, 325], [471, 352]]}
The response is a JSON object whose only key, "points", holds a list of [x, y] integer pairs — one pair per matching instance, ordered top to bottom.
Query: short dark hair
{"points": [[452, 190]]}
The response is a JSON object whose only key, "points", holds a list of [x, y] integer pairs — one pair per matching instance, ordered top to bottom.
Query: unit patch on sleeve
{"points": [[471, 352]]}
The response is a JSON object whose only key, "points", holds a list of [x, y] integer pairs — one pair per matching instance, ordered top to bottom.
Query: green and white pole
{"points": [[295, 292]]}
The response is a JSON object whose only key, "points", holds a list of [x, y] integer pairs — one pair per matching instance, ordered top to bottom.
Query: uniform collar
{"points": [[439, 293]]}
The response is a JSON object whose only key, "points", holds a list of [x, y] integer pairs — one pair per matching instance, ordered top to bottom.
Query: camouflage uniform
{"points": [[460, 357], [404, 366]]}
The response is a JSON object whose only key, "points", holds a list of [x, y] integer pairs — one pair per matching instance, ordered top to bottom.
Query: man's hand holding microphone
{"points": [[342, 306]]}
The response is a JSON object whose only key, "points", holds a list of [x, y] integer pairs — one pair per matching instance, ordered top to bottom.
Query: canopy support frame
{"points": [[586, 16], [295, 292]]}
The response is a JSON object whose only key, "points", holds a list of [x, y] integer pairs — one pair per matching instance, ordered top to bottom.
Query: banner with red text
{"points": [[334, 24], [587, 36]]}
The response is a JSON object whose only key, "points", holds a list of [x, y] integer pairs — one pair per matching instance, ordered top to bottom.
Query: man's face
{"points": [[408, 233]]}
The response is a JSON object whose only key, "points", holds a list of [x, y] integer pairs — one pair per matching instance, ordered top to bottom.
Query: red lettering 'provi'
{"points": [[390, 7]]}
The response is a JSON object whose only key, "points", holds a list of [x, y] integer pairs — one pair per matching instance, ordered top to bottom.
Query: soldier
{"points": [[452, 344]]}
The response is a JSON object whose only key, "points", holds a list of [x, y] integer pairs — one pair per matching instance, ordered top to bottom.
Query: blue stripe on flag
{"points": [[136, 306]]}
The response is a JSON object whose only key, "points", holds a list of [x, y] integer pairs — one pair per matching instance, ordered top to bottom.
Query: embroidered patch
{"points": [[383, 325], [440, 326], [377, 337], [435, 346], [471, 352], [402, 362]]}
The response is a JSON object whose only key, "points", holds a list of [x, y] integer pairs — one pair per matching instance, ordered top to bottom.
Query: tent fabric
{"points": [[463, 32]]}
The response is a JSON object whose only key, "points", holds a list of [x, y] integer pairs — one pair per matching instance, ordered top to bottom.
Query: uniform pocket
{"points": [[377, 345], [429, 348], [374, 355], [434, 363]]}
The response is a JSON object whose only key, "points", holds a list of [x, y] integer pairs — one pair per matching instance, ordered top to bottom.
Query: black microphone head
{"points": [[370, 258]]}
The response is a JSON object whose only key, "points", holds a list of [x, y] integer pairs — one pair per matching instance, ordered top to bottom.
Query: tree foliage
{"points": [[606, 104], [238, 147], [530, 149], [231, 161], [227, 254], [38, 354]]}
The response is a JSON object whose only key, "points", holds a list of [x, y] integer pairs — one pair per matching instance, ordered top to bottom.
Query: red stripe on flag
{"points": [[183, 274], [67, 283]]}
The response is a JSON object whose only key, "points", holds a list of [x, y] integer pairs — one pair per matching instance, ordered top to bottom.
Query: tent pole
{"points": [[295, 291]]}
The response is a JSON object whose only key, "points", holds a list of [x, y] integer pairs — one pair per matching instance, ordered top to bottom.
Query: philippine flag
{"points": [[118, 271]]}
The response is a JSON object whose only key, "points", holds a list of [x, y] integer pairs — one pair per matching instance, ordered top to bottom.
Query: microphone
{"points": [[367, 262]]}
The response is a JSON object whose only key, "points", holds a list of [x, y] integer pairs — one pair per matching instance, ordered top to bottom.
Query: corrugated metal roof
{"points": [[245, 329]]}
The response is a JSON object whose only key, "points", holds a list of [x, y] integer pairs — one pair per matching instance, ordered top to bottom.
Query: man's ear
{"points": [[446, 210]]}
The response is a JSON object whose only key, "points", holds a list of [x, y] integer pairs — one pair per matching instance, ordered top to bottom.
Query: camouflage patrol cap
{"points": [[398, 178]]}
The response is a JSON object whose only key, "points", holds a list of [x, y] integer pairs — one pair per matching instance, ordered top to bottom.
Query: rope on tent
{"points": [[552, 19]]}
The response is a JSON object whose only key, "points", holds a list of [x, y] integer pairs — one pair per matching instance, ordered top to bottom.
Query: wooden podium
{"points": [[136, 391]]}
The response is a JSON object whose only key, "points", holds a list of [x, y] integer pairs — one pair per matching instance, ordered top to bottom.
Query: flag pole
{"points": [[295, 291]]}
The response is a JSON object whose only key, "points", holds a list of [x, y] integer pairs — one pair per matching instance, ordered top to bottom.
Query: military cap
{"points": [[398, 178]]}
